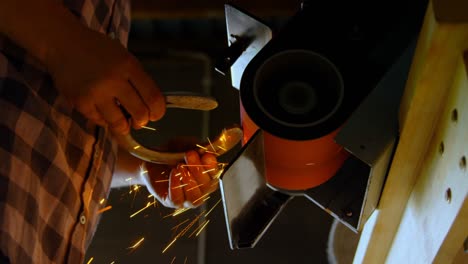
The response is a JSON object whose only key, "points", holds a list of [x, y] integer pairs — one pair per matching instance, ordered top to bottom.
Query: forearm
{"points": [[45, 28], [127, 170]]}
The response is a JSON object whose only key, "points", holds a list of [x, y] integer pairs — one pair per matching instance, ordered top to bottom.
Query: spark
{"points": [[149, 128], [223, 137], [136, 147], [202, 147], [212, 147], [221, 148], [212, 152], [310, 164], [187, 165], [210, 170], [143, 172], [178, 174], [129, 179], [161, 181], [180, 186], [136, 187], [194, 187], [149, 196], [202, 197], [206, 199], [102, 201], [107, 208], [212, 208], [139, 211], [180, 211], [177, 226], [203, 227], [187, 228], [198, 228], [182, 233], [136, 244], [170, 244], [90, 260], [173, 260], [112, 262]]}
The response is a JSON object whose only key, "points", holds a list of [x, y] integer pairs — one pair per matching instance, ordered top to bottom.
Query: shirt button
{"points": [[111, 35], [82, 219]]}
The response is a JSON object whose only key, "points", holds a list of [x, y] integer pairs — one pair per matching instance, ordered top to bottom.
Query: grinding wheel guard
{"points": [[228, 138]]}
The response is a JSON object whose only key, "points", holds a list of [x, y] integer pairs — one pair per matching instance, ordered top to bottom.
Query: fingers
{"points": [[149, 92], [134, 105], [90, 111], [114, 117], [210, 164], [197, 170], [191, 188], [176, 191]]}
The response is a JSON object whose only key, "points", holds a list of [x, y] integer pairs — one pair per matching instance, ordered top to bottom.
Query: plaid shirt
{"points": [[55, 166]]}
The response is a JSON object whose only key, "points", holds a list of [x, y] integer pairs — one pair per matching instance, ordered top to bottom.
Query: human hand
{"points": [[97, 74], [187, 184]]}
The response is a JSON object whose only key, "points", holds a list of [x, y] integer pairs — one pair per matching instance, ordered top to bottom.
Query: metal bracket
{"points": [[247, 35]]}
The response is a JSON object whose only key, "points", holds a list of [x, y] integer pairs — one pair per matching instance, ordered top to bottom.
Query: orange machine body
{"points": [[297, 164]]}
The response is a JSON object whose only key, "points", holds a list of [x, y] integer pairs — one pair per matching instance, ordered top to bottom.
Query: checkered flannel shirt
{"points": [[55, 166]]}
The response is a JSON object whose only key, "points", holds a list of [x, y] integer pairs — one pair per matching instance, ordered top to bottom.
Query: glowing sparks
{"points": [[149, 128], [223, 137], [136, 147], [202, 147], [212, 147], [221, 148], [310, 164], [187, 165], [210, 170], [143, 172], [177, 174], [129, 179], [161, 181], [179, 186], [136, 187], [194, 187], [149, 196], [201, 198], [102, 201], [107, 208], [212, 208], [142, 209], [180, 211], [178, 225], [203, 227], [198, 228], [184, 230], [138, 243], [170, 244], [90, 260], [173, 260]]}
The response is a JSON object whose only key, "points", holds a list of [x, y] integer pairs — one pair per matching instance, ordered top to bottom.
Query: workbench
{"points": [[422, 216]]}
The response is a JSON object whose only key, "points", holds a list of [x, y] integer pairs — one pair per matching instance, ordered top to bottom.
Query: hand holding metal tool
{"points": [[228, 138]]}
